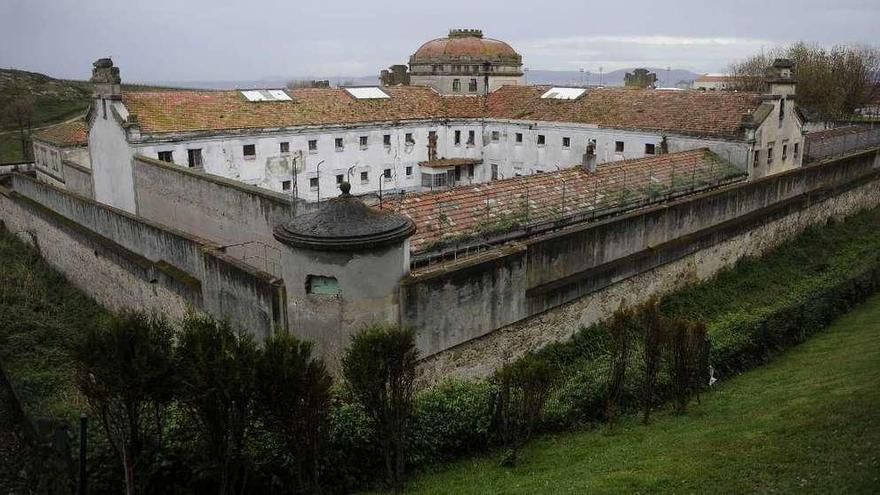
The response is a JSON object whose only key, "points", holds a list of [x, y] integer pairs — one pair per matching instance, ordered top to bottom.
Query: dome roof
{"points": [[465, 45], [345, 223]]}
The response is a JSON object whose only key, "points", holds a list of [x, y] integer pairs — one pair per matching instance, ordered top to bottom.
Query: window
{"points": [[456, 85], [472, 86], [782, 113], [496, 136], [458, 138], [471, 138], [518, 138], [386, 140], [541, 140], [363, 142], [566, 142], [313, 145], [340, 145], [618, 146], [285, 147], [650, 149], [796, 150], [249, 151], [784, 152], [770, 153], [166, 156], [194, 157], [757, 159], [408, 171], [470, 171], [494, 171], [386, 174], [457, 174], [365, 177], [340, 178], [313, 183], [285, 185], [322, 286]]}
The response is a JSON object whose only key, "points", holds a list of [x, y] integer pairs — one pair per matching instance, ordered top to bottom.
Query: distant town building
{"points": [[396, 75], [640, 78], [714, 82]]}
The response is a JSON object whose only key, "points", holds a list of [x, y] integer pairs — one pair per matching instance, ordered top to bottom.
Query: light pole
{"points": [[318, 167]]}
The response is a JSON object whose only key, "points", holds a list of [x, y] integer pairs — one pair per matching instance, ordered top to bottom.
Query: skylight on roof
{"points": [[367, 93], [563, 93], [266, 95]]}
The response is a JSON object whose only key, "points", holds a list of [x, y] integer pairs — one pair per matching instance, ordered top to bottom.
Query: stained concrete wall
{"points": [[111, 155], [78, 179], [226, 287], [455, 303]]}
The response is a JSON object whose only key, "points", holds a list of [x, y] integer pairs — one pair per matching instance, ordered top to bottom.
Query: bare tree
{"points": [[832, 82], [20, 113]]}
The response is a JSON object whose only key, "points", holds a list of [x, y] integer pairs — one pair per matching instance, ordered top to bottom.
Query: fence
{"points": [[834, 142]]}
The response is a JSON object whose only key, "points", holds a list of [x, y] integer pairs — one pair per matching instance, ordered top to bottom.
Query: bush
{"points": [[380, 367], [523, 388]]}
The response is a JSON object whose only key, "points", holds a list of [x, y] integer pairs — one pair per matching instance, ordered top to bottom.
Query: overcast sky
{"points": [[226, 40]]}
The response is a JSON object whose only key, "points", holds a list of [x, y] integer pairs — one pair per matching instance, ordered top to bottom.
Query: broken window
{"points": [[456, 85], [472, 86], [496, 135], [471, 137], [409, 138], [458, 138], [518, 138], [541, 140], [363, 142], [566, 142], [313, 145], [340, 145], [618, 146], [285, 147], [650, 148], [249, 151], [770, 153], [166, 156], [194, 157], [470, 171], [494, 171], [386, 174], [365, 177], [313, 183], [285, 185], [322, 286]]}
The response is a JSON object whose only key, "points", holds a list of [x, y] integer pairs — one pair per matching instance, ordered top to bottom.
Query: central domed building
{"points": [[465, 63]]}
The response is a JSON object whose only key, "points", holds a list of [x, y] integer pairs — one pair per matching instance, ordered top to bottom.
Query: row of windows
{"points": [[795, 152], [194, 156], [387, 175]]}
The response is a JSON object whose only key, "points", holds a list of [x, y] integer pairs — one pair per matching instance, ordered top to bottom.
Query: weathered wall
{"points": [[111, 155], [78, 179], [542, 283], [222, 286]]}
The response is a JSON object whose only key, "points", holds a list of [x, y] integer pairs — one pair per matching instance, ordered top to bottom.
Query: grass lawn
{"points": [[10, 148], [807, 422]]}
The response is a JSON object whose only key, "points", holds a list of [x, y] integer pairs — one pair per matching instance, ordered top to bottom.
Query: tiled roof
{"points": [[175, 111], [689, 112], [717, 114], [73, 133], [468, 212]]}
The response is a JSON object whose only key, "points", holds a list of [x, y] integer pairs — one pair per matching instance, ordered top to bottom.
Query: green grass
{"points": [[10, 148], [40, 316], [808, 422]]}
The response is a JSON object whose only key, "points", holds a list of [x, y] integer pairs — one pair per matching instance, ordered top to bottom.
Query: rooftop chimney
{"points": [[106, 79], [589, 158]]}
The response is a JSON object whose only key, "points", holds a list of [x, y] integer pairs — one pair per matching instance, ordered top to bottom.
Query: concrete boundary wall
{"points": [[78, 179], [193, 269], [459, 308]]}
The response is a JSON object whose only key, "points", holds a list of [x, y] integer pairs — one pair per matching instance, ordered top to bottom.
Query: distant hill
{"points": [[613, 78], [52, 99]]}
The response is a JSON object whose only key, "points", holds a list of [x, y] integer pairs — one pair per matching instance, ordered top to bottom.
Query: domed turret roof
{"points": [[467, 45], [345, 223]]}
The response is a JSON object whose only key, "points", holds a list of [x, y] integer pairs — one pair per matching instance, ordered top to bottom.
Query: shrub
{"points": [[652, 323], [619, 329], [685, 351], [379, 367], [125, 371], [218, 384], [523, 388], [293, 401]]}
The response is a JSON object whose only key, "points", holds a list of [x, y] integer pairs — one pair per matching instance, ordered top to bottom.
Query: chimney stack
{"points": [[105, 77], [589, 158]]}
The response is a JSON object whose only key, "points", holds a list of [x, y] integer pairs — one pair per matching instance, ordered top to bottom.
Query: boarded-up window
{"points": [[322, 286]]}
